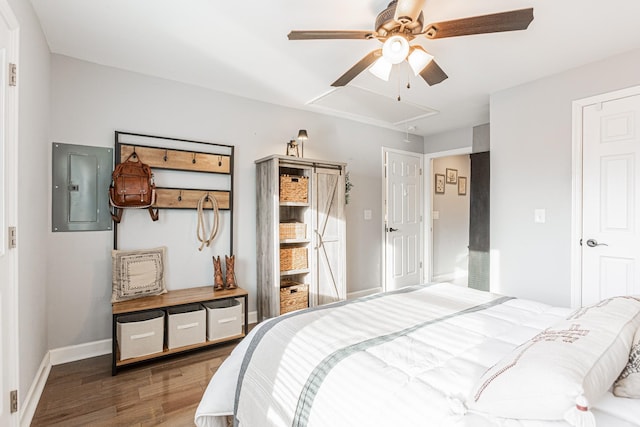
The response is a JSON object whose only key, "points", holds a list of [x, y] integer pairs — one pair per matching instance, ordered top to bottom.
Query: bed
{"points": [[432, 355]]}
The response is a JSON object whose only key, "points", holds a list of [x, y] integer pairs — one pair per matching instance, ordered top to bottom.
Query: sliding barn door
{"points": [[329, 237]]}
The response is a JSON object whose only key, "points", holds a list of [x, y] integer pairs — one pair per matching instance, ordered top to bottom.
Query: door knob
{"points": [[392, 229], [592, 243]]}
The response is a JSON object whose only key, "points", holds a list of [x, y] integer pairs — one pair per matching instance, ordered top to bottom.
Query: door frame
{"points": [[386, 150], [576, 184], [428, 203], [10, 207]]}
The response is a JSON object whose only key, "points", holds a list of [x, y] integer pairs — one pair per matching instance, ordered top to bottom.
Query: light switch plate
{"points": [[367, 214], [435, 215], [539, 216]]}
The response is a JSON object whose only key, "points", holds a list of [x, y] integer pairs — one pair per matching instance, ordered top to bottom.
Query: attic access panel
{"points": [[370, 107], [81, 176]]}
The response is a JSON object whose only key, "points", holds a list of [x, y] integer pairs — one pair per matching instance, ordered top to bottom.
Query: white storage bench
{"points": [[166, 302], [224, 319], [186, 325], [140, 334]]}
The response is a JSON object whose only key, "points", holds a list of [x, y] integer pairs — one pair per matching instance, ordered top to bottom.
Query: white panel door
{"points": [[611, 185], [8, 214], [403, 239]]}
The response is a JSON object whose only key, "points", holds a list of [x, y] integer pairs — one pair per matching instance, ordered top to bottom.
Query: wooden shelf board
{"points": [[304, 204], [287, 241], [293, 272], [175, 297], [177, 350]]}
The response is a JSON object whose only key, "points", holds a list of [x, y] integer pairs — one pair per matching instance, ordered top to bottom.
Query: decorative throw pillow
{"points": [[138, 273], [559, 372], [628, 383]]}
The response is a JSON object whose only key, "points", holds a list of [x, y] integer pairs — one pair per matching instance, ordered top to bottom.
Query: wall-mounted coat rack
{"points": [[172, 154]]}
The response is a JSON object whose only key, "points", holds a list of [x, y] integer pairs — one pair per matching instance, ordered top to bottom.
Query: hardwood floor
{"points": [[162, 393]]}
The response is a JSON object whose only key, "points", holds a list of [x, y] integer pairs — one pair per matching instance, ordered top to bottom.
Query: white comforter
{"points": [[407, 358]]}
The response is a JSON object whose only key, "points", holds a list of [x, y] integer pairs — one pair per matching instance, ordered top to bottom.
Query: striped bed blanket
{"points": [[405, 358]]}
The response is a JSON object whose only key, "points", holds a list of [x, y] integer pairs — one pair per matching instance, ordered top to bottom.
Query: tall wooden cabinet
{"points": [[323, 240]]}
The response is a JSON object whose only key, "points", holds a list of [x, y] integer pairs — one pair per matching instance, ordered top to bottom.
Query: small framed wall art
{"points": [[452, 176], [439, 184], [462, 186]]}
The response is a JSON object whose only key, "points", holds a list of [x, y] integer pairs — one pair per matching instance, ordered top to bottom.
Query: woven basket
{"points": [[294, 189], [293, 230], [293, 259], [294, 297]]}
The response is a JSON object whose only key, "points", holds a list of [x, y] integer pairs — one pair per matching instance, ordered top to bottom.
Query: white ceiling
{"points": [[241, 47]]}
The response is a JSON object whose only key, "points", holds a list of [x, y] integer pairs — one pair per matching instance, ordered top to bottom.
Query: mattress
{"points": [[409, 357]]}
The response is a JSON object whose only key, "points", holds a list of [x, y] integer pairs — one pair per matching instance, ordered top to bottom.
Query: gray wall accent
{"points": [[90, 101], [481, 138], [531, 143], [479, 221], [451, 230]]}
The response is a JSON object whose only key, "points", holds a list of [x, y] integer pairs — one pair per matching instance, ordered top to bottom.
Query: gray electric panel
{"points": [[80, 193]]}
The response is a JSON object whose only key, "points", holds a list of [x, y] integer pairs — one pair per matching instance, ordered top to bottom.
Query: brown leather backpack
{"points": [[132, 187]]}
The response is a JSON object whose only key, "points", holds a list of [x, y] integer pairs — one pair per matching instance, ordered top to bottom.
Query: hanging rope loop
{"points": [[201, 228]]}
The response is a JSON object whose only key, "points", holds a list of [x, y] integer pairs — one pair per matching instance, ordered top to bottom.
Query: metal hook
{"points": [[134, 154], [165, 155], [194, 159], [219, 161], [180, 196], [206, 199]]}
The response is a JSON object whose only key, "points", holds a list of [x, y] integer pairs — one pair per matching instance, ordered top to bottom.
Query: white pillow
{"points": [[138, 273], [552, 373], [628, 384]]}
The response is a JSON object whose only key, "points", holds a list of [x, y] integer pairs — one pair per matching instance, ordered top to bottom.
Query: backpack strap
{"points": [[117, 215], [154, 215]]}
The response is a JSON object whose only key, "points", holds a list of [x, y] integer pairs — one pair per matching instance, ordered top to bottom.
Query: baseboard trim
{"points": [[446, 277], [364, 293], [253, 317], [73, 353], [30, 404]]}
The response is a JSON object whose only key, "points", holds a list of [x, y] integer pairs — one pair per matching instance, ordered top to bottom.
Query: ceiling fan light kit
{"points": [[400, 23], [395, 49], [418, 59], [381, 69]]}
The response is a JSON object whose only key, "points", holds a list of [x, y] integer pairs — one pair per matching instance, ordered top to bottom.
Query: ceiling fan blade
{"points": [[493, 23], [323, 35], [360, 66], [433, 74]]}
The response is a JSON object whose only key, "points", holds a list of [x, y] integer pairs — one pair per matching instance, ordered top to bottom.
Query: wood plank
{"points": [[178, 159], [179, 198], [175, 297]]}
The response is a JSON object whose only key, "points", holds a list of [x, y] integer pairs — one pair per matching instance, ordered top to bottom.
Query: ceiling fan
{"points": [[399, 24]]}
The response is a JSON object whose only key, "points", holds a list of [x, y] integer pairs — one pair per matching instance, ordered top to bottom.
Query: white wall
{"points": [[89, 102], [457, 138], [531, 168], [33, 212], [451, 229]]}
